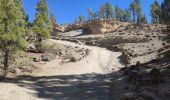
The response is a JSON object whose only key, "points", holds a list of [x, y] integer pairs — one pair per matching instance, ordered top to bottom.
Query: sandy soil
{"points": [[10, 91]]}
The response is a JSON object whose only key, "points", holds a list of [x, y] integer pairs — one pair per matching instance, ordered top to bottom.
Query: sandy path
{"points": [[101, 56], [100, 61], [83, 80]]}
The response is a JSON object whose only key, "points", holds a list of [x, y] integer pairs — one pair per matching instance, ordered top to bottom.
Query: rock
{"points": [[97, 26], [102, 26], [56, 28], [72, 40], [89, 43], [31, 47], [115, 48], [48, 57], [44, 58], [36, 59], [72, 59], [26, 69], [124, 70], [17, 71], [1, 72], [10, 74], [155, 75], [133, 77], [145, 79], [131, 87], [162, 93], [146, 95], [129, 96]]}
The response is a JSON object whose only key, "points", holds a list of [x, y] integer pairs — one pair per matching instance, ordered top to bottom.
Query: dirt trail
{"points": [[100, 60], [88, 79]]}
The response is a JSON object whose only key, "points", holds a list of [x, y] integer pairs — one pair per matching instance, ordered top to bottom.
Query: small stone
{"points": [[36, 59], [72, 59]]}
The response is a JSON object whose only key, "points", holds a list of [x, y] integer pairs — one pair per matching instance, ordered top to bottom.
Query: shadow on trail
{"points": [[70, 87]]}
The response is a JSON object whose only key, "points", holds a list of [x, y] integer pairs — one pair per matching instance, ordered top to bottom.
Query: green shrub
{"points": [[47, 46], [21, 59]]}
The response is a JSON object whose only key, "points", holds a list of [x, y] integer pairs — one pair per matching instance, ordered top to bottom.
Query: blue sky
{"points": [[66, 11]]}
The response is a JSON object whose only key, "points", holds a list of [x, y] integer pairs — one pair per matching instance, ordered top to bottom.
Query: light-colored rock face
{"points": [[97, 26], [103, 26], [57, 28]]}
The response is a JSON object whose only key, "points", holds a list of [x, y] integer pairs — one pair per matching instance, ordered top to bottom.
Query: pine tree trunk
{"points": [[134, 16], [6, 53], [6, 59]]}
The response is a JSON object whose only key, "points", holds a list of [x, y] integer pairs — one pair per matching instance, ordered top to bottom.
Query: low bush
{"points": [[47, 46]]}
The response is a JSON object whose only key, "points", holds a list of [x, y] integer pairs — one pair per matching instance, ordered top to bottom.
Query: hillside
{"points": [[140, 43], [81, 59]]}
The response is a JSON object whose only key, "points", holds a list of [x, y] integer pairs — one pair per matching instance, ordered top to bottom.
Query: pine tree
{"points": [[132, 8], [109, 10], [136, 10], [90, 11], [102, 12], [155, 12], [118, 13], [165, 15], [94, 16], [126, 16], [52, 18], [81, 19], [143, 20], [27, 24], [42, 24], [12, 30]]}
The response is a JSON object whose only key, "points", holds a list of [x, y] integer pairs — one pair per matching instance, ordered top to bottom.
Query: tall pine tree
{"points": [[132, 8], [109, 10], [136, 10], [102, 12], [155, 12], [91, 13], [118, 13], [165, 15], [126, 16], [42, 24], [12, 29]]}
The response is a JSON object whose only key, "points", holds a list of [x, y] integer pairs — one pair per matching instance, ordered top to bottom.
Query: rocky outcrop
{"points": [[97, 26], [102, 26], [75, 27], [57, 28]]}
